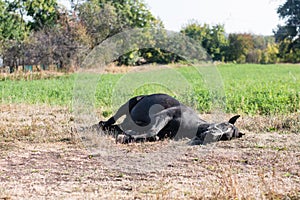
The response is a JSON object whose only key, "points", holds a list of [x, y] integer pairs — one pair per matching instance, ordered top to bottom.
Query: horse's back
{"points": [[150, 105]]}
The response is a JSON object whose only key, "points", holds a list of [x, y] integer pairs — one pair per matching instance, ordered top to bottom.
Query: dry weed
{"points": [[40, 158]]}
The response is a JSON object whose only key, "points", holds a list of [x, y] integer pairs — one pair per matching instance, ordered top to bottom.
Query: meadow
{"points": [[247, 89], [42, 156]]}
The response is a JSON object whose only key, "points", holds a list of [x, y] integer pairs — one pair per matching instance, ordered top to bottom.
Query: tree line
{"points": [[45, 32]]}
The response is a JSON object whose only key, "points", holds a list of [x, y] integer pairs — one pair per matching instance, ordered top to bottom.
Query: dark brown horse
{"points": [[159, 116]]}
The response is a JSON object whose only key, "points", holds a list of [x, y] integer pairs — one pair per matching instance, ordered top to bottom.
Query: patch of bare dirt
{"points": [[41, 158]]}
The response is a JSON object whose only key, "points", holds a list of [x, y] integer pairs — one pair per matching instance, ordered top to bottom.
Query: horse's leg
{"points": [[158, 122]]}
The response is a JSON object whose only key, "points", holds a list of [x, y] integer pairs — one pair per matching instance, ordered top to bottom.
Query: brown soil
{"points": [[42, 158]]}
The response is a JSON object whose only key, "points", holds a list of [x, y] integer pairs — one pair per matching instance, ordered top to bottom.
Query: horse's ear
{"points": [[233, 119]]}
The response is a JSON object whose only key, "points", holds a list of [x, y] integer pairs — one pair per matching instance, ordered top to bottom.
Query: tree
{"points": [[39, 13], [43, 13], [132, 14], [18, 18], [105, 18], [100, 22], [12, 26], [13, 31], [50, 35], [288, 35], [211, 38], [219, 43], [64, 45], [239, 46], [270, 54]]}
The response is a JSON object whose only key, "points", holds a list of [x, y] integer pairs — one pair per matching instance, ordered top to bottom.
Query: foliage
{"points": [[290, 11], [40, 13], [43, 13], [132, 14], [105, 18], [19, 20], [100, 23], [12, 26], [12, 32], [42, 32], [288, 35], [211, 38], [261, 42], [63, 45], [239, 47], [248, 48], [13, 52], [270, 54], [288, 54], [254, 56], [249, 89]]}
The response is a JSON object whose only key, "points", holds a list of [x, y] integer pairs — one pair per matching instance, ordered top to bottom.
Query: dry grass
{"points": [[113, 69], [19, 75], [40, 157]]}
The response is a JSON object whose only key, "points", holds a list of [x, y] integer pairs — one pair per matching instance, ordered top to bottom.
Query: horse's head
{"points": [[229, 130], [212, 132]]}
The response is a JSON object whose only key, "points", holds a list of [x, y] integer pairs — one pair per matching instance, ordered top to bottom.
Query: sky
{"points": [[238, 16]]}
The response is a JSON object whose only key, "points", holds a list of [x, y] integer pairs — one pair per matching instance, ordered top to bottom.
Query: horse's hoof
{"points": [[124, 139]]}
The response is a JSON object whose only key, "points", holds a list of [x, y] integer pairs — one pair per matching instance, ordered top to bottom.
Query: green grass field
{"points": [[249, 89]]}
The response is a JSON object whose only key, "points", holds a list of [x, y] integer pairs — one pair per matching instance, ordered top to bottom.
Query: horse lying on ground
{"points": [[159, 116]]}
